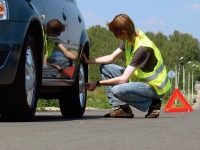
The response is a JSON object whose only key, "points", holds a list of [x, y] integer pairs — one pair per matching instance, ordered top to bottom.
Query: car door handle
{"points": [[64, 15], [79, 19]]}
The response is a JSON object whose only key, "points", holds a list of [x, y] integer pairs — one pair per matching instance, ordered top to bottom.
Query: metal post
{"points": [[178, 75], [193, 79], [183, 81], [192, 82], [176, 84], [171, 86], [188, 86]]}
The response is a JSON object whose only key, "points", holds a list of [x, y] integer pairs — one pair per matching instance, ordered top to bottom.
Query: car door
{"points": [[54, 9], [74, 20]]}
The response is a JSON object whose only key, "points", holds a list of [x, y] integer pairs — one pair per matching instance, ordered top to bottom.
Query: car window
{"points": [[74, 20]]}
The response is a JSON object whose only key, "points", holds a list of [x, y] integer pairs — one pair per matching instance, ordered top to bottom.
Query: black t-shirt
{"points": [[143, 57]]}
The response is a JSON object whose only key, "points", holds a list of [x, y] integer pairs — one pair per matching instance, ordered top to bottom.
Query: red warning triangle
{"points": [[68, 71], [185, 108]]}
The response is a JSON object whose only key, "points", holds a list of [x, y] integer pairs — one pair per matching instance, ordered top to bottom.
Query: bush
{"points": [[42, 103]]}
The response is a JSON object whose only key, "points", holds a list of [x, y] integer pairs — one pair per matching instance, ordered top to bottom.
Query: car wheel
{"points": [[73, 99], [19, 100]]}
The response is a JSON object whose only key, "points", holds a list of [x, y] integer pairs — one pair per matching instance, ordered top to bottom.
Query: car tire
{"points": [[19, 100], [73, 100]]}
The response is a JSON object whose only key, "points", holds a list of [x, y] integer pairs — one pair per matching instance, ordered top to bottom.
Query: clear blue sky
{"points": [[148, 15]]}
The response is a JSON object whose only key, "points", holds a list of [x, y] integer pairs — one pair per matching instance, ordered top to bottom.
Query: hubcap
{"points": [[30, 77], [81, 86]]}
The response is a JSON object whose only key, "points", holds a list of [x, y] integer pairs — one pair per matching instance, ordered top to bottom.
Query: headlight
{"points": [[3, 10]]}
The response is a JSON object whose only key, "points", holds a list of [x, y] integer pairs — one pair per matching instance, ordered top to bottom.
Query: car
{"points": [[22, 48]]}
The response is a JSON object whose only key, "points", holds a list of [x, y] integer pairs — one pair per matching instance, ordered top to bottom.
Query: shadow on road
{"points": [[96, 114], [55, 117], [61, 118]]}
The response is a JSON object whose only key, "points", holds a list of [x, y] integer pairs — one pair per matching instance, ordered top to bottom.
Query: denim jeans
{"points": [[49, 71], [136, 94]]}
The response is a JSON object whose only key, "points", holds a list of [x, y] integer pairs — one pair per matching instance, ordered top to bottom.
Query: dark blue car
{"points": [[22, 49]]}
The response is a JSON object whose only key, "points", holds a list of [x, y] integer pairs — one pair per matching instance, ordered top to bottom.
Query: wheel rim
{"points": [[30, 77], [81, 86]]}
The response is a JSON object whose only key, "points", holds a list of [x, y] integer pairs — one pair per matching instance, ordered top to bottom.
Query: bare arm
{"points": [[67, 53], [45, 59], [104, 59], [120, 80]]}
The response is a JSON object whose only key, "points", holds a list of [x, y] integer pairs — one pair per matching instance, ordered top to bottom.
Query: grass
{"points": [[96, 99], [41, 104]]}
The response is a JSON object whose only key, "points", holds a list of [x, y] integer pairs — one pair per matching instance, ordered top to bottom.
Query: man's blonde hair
{"points": [[122, 23]]}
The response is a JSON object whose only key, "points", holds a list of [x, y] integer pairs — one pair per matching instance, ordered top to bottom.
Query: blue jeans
{"points": [[57, 54], [49, 71], [136, 94]]}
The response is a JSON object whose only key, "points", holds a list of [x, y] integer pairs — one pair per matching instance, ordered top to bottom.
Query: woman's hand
{"points": [[85, 58], [91, 86]]}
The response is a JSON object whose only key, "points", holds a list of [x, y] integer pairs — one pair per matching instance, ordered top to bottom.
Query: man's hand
{"points": [[91, 86]]}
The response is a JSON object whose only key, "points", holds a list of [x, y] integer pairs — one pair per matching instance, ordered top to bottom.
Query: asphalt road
{"points": [[50, 131]]}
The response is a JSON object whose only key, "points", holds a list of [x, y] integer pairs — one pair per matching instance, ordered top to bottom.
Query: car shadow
{"points": [[56, 116], [52, 117]]}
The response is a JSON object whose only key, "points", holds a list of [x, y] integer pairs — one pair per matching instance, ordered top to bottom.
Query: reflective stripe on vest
{"points": [[155, 75]]}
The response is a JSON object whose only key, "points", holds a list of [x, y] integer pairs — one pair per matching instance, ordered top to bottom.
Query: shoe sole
{"points": [[153, 114], [127, 116]]}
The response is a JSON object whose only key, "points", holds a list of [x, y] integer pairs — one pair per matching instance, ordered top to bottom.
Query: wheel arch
{"points": [[35, 29], [84, 47], [86, 50]]}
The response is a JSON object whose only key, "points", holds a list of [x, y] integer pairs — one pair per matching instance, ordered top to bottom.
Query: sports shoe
{"points": [[154, 109], [123, 111]]}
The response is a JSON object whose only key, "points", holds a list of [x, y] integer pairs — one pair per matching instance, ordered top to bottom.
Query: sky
{"points": [[164, 16]]}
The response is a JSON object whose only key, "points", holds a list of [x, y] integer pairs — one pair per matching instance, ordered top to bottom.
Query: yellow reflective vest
{"points": [[49, 47], [158, 77]]}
